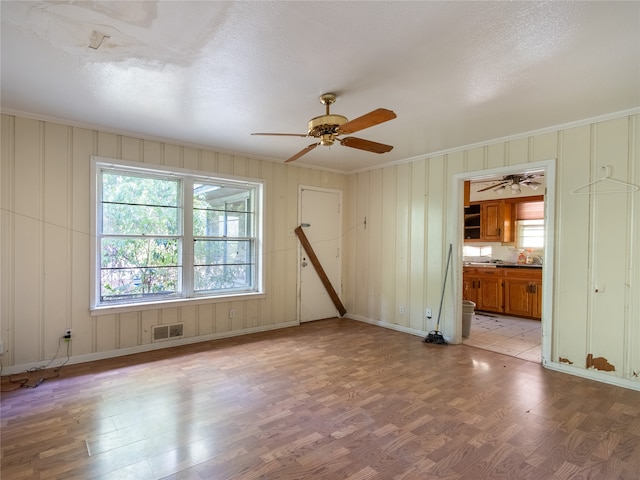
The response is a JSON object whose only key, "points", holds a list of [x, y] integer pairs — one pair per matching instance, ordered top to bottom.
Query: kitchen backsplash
{"points": [[507, 254]]}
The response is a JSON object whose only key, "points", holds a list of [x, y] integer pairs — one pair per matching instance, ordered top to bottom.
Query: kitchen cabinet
{"points": [[489, 221], [472, 222], [496, 224], [470, 286], [483, 286], [512, 291], [523, 292]]}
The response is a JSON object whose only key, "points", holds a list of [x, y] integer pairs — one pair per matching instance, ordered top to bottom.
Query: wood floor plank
{"points": [[328, 400]]}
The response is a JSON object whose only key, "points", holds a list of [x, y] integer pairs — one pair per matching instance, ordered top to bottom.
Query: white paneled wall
{"points": [[45, 238], [395, 243], [399, 259]]}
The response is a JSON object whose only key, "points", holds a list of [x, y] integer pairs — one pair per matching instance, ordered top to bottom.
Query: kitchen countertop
{"points": [[499, 265]]}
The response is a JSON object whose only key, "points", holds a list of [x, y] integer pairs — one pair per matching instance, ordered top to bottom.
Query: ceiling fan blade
{"points": [[367, 120], [283, 134], [367, 145], [302, 152], [492, 186]]}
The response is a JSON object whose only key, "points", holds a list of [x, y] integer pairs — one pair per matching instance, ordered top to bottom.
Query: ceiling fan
{"points": [[328, 127], [514, 182]]}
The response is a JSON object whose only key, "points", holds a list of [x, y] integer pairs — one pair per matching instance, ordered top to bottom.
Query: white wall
{"points": [[45, 179], [399, 259]]}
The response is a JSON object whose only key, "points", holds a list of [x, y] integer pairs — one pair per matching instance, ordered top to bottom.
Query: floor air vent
{"points": [[165, 332]]}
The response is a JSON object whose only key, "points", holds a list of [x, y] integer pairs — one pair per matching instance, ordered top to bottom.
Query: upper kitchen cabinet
{"points": [[489, 221], [472, 222], [496, 224]]}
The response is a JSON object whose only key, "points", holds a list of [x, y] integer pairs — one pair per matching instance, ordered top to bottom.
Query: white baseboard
{"points": [[392, 326], [91, 357], [594, 375]]}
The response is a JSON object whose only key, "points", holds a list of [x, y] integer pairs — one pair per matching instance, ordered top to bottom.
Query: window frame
{"points": [[186, 180]]}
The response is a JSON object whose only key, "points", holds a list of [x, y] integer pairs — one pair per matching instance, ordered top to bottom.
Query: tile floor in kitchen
{"points": [[516, 337]]}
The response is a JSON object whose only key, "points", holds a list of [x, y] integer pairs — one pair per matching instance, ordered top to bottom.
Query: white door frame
{"points": [[455, 229], [338, 288]]}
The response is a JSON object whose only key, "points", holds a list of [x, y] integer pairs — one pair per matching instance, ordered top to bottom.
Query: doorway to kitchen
{"points": [[511, 335]]}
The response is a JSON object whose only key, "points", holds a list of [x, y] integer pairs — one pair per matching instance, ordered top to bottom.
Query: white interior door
{"points": [[321, 220]]}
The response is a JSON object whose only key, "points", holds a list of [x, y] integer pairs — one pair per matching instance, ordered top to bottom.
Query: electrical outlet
{"points": [[401, 309], [428, 312], [232, 313], [67, 333], [1, 347]]}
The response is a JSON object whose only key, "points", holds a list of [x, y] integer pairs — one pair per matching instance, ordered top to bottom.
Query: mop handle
{"points": [[444, 285]]}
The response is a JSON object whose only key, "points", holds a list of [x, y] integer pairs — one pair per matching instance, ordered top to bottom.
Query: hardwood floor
{"points": [[332, 399]]}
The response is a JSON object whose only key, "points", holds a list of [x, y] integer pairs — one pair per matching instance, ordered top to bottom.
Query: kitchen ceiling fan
{"points": [[328, 127], [514, 182]]}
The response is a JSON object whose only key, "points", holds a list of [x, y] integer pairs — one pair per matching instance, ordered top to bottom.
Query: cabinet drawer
{"points": [[489, 272], [526, 273]]}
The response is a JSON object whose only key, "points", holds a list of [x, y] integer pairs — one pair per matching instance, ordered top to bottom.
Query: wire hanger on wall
{"points": [[629, 187]]}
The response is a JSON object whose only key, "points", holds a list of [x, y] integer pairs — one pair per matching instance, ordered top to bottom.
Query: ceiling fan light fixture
{"points": [[327, 140], [512, 181]]}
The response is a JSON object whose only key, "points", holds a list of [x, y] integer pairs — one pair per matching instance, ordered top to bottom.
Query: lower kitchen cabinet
{"points": [[483, 286], [470, 287], [512, 291], [523, 293], [490, 296]]}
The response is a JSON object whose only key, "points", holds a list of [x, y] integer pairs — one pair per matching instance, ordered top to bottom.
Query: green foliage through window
{"points": [[144, 240]]}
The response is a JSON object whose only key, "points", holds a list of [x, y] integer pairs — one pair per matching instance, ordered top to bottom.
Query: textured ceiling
{"points": [[210, 73]]}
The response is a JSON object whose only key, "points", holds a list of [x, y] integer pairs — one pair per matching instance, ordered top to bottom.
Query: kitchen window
{"points": [[530, 225], [167, 234], [530, 234], [476, 251]]}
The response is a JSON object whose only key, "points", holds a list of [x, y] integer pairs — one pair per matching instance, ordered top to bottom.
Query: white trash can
{"points": [[467, 313]]}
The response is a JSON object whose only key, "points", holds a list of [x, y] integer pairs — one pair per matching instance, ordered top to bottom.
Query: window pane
{"points": [[129, 188], [134, 205], [222, 211], [118, 219], [214, 223], [217, 252], [221, 264], [137, 267], [222, 277]]}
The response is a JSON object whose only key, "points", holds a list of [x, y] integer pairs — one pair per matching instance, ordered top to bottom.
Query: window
{"points": [[530, 224], [530, 233], [166, 234], [476, 251]]}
